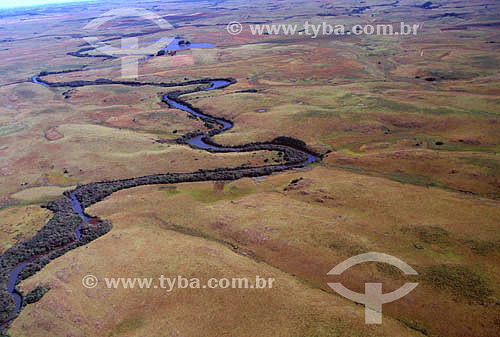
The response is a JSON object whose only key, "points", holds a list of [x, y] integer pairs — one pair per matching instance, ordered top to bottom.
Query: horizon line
{"points": [[39, 3]]}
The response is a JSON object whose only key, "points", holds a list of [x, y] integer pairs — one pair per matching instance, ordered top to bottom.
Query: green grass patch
{"points": [[485, 62], [6, 130], [460, 147], [492, 165], [406, 178], [170, 191], [127, 325]]}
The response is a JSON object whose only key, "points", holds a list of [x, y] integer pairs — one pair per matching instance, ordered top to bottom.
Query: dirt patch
{"points": [[52, 134]]}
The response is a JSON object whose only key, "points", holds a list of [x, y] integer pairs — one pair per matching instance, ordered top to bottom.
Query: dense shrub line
{"points": [[104, 81], [54, 239]]}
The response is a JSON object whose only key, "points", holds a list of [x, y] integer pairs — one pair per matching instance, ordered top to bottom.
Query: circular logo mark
{"points": [[234, 28], [90, 281]]}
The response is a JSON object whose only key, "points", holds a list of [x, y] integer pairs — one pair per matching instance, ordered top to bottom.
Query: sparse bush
{"points": [[429, 234], [481, 247], [460, 280], [35, 295]]}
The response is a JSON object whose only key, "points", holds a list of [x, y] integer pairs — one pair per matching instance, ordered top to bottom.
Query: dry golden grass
{"points": [[377, 191], [40, 193], [19, 223], [306, 229], [143, 246]]}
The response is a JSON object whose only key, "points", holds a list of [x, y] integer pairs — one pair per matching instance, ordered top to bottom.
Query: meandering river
{"points": [[198, 141]]}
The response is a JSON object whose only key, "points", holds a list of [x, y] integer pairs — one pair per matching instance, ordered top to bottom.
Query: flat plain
{"points": [[410, 131]]}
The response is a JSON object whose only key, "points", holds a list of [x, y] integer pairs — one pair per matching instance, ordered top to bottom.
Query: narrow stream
{"points": [[226, 125], [78, 209], [14, 274]]}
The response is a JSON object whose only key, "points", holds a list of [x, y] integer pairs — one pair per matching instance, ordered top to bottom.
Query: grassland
{"points": [[413, 171], [19, 223], [307, 228]]}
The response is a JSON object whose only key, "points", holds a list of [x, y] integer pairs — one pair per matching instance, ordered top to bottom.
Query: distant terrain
{"points": [[405, 131]]}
